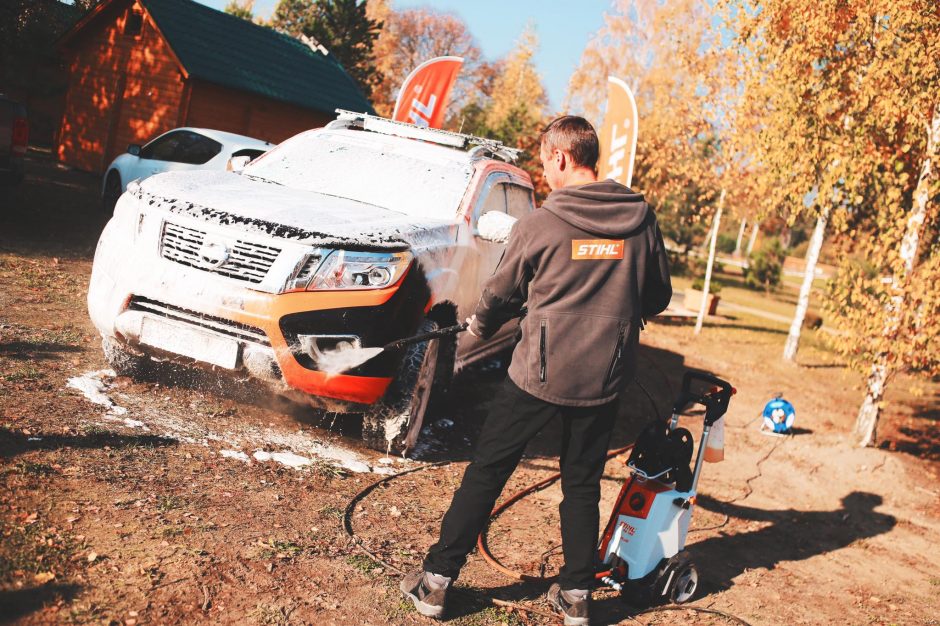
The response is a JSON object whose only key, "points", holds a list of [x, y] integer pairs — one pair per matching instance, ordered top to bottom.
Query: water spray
{"points": [[341, 360]]}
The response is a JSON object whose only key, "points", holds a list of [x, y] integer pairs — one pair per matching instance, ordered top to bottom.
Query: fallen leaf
{"points": [[92, 556], [43, 577]]}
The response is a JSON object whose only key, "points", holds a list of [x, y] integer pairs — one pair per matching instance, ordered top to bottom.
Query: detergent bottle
{"points": [[715, 448]]}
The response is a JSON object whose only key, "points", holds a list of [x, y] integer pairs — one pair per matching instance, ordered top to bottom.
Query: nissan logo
{"points": [[213, 255]]}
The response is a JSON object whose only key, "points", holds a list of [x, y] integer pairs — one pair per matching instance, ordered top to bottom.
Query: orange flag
{"points": [[423, 96], [618, 136]]}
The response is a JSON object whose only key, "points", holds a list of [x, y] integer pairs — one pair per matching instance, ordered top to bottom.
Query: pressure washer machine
{"points": [[642, 550]]}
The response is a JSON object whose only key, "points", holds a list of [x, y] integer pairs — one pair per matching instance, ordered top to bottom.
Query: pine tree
{"points": [[342, 27]]}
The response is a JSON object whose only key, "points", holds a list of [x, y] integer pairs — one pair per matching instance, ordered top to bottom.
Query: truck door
{"points": [[500, 193]]}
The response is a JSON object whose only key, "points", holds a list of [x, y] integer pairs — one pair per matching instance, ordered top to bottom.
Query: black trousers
{"points": [[514, 420]]}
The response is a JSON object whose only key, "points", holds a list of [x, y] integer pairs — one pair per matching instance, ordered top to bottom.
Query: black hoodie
{"points": [[589, 264]]}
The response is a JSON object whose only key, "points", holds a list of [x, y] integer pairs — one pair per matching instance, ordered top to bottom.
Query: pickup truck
{"points": [[14, 137], [353, 235]]}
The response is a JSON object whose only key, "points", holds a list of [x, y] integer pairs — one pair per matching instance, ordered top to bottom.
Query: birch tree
{"points": [[852, 90]]}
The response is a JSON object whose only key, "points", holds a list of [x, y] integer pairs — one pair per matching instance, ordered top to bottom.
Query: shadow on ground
{"points": [[36, 350], [920, 435], [13, 443], [792, 535], [18, 603]]}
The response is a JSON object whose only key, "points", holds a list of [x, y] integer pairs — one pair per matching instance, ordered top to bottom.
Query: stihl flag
{"points": [[423, 96], [618, 136]]}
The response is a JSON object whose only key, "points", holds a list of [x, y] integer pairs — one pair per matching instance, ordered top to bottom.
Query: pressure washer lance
{"points": [[342, 360]]}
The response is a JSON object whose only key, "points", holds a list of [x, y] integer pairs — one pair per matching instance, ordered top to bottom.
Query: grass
{"points": [[780, 302], [23, 373], [94, 430], [28, 468], [327, 470], [168, 503], [332, 511], [168, 532], [31, 548], [280, 549], [363, 564], [402, 607], [270, 615], [490, 615]]}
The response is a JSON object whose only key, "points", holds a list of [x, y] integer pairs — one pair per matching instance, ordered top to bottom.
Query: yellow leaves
{"points": [[518, 87], [43, 577]]}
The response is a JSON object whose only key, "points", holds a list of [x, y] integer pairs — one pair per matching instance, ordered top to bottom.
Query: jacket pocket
{"points": [[543, 351], [617, 356]]}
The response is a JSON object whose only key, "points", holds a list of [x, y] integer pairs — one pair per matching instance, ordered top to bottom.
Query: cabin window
{"points": [[133, 23]]}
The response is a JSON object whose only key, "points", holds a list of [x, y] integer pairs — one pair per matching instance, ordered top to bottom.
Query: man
{"points": [[589, 264]]}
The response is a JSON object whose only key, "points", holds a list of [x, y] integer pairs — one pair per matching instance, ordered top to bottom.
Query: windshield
{"points": [[403, 175]]}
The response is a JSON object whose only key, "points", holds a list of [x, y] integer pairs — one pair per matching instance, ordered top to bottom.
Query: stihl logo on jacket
{"points": [[585, 249]]}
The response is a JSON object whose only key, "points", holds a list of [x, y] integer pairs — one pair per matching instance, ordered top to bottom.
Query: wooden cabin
{"points": [[139, 68]]}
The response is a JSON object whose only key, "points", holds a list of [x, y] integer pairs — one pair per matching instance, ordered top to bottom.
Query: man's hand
{"points": [[470, 322]]}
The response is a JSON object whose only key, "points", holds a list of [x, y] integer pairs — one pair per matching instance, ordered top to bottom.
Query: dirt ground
{"points": [[136, 517]]}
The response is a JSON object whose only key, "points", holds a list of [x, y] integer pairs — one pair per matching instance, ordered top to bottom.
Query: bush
{"points": [[726, 243], [678, 263], [701, 265], [765, 267], [714, 287], [812, 321]]}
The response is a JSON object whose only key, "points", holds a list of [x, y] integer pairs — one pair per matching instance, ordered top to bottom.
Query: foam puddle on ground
{"points": [[93, 388], [295, 449]]}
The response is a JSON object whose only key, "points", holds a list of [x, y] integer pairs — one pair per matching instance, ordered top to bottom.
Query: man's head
{"points": [[569, 150]]}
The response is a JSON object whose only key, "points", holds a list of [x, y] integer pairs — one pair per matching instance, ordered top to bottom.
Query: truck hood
{"points": [[254, 205]]}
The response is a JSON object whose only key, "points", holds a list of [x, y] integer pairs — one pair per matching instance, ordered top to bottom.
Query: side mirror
{"points": [[134, 149], [237, 163], [495, 226]]}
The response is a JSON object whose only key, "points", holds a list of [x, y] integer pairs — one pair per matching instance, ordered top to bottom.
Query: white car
{"points": [[177, 150], [350, 236]]}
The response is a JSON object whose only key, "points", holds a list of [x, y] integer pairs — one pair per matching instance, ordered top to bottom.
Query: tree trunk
{"points": [[750, 242], [737, 244], [812, 256], [711, 262], [866, 424]]}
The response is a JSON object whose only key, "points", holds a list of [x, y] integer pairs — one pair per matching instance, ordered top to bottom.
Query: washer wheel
{"points": [[684, 584]]}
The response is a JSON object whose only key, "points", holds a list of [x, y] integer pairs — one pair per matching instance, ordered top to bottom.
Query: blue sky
{"points": [[563, 27]]}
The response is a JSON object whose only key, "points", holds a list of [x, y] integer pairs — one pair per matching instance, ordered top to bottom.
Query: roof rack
{"points": [[481, 146]]}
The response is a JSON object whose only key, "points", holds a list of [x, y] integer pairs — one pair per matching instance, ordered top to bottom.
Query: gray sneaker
{"points": [[429, 598], [576, 612]]}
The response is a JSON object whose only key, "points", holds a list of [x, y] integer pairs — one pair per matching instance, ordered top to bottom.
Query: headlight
{"points": [[127, 218], [345, 269]]}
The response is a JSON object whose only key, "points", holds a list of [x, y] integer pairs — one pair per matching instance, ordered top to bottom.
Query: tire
{"points": [[112, 191], [124, 362], [394, 423], [684, 583]]}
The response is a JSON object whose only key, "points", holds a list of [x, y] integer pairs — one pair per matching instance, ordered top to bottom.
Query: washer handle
{"points": [[715, 401]]}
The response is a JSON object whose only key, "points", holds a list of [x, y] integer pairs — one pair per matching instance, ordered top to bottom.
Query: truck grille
{"points": [[246, 260], [209, 322]]}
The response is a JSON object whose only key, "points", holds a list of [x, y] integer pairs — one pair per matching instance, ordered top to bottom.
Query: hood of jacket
{"points": [[604, 208]]}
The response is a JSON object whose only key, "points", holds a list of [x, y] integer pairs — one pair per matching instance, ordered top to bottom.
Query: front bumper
{"points": [[168, 310]]}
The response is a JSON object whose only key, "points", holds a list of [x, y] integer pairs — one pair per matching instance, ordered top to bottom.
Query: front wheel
{"points": [[112, 191], [124, 362], [395, 422]]}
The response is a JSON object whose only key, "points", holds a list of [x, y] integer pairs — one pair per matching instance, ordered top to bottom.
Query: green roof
{"points": [[230, 51]]}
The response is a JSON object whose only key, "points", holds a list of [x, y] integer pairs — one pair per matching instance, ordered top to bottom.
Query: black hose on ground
{"points": [[481, 544]]}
